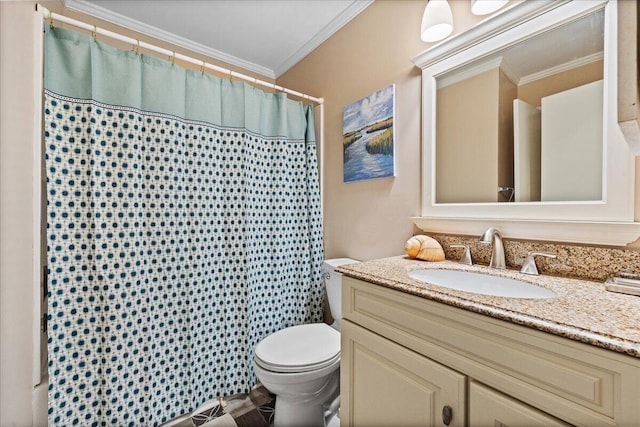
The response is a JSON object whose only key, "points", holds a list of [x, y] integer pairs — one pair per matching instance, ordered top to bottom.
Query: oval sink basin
{"points": [[481, 284]]}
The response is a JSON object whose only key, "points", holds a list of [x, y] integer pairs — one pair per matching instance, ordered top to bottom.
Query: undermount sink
{"points": [[481, 283]]}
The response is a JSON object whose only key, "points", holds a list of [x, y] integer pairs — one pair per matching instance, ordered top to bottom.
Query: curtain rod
{"points": [[137, 44]]}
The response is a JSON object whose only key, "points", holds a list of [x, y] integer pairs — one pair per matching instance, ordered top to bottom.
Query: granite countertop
{"points": [[582, 310]]}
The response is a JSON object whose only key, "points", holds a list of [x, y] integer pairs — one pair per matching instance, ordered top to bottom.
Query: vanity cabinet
{"points": [[406, 359]]}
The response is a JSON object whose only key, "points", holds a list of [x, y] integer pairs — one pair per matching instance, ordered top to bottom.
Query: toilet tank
{"points": [[333, 284]]}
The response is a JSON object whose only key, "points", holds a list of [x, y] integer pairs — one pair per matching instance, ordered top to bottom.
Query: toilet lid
{"points": [[299, 348]]}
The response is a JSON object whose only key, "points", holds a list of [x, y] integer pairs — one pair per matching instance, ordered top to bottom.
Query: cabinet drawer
{"points": [[567, 379], [490, 408]]}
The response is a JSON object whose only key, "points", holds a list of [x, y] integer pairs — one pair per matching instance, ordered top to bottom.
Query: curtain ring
{"points": [[50, 20], [94, 34], [136, 47], [173, 59], [202, 68], [230, 75], [255, 82]]}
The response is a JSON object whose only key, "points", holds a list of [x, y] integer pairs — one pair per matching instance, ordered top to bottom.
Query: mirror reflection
{"points": [[525, 124]]}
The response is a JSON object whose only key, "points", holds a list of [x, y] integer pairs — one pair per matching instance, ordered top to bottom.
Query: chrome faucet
{"points": [[493, 237]]}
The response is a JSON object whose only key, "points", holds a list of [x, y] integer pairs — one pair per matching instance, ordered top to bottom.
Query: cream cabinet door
{"points": [[385, 384], [490, 408]]}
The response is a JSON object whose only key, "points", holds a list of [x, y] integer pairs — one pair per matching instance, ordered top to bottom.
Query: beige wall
{"points": [[474, 139], [466, 140], [370, 219]]}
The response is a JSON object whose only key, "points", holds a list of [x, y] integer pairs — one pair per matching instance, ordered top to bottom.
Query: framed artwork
{"points": [[368, 136]]}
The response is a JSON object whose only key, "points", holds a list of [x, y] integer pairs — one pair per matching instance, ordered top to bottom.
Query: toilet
{"points": [[300, 364]]}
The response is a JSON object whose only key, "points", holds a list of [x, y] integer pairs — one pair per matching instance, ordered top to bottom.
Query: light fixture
{"points": [[485, 7], [437, 21]]}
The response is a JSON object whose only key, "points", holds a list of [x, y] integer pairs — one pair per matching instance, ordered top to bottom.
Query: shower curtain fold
{"points": [[183, 227]]}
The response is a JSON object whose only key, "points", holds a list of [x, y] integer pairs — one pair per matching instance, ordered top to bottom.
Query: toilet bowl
{"points": [[300, 364]]}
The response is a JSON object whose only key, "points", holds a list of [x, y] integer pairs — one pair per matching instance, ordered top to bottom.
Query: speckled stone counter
{"points": [[582, 310]]}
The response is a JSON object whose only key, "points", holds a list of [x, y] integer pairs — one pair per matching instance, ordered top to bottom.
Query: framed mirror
{"points": [[519, 127]]}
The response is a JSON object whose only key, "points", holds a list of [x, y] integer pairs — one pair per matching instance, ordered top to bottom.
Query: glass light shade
{"points": [[485, 7], [437, 21]]}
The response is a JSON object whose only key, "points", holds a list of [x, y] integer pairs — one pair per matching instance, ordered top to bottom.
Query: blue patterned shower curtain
{"points": [[183, 227]]}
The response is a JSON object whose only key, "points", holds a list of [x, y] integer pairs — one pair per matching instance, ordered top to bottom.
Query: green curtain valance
{"points": [[80, 67]]}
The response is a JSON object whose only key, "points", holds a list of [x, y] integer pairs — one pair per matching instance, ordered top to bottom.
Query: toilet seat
{"points": [[301, 348]]}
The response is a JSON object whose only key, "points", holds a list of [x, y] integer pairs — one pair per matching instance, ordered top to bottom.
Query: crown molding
{"points": [[88, 8], [353, 10], [598, 56], [469, 72]]}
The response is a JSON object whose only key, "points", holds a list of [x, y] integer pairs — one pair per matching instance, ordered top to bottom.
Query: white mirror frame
{"points": [[608, 221]]}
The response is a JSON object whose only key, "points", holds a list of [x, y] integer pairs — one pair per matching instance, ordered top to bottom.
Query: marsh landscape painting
{"points": [[368, 137]]}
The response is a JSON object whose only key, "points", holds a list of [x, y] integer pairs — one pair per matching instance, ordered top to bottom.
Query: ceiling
{"points": [[264, 36], [575, 42], [570, 45]]}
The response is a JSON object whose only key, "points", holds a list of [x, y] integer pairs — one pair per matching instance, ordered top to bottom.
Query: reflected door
{"points": [[572, 136]]}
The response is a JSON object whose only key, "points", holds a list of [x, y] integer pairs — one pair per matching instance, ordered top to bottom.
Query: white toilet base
{"points": [[301, 403], [306, 411], [290, 414]]}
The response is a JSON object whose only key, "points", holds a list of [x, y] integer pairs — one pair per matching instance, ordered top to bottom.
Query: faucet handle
{"points": [[466, 256], [529, 265]]}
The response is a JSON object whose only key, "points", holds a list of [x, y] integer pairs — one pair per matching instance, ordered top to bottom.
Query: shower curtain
{"points": [[183, 227]]}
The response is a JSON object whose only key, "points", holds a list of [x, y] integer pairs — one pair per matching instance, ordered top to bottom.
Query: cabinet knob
{"points": [[447, 414]]}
